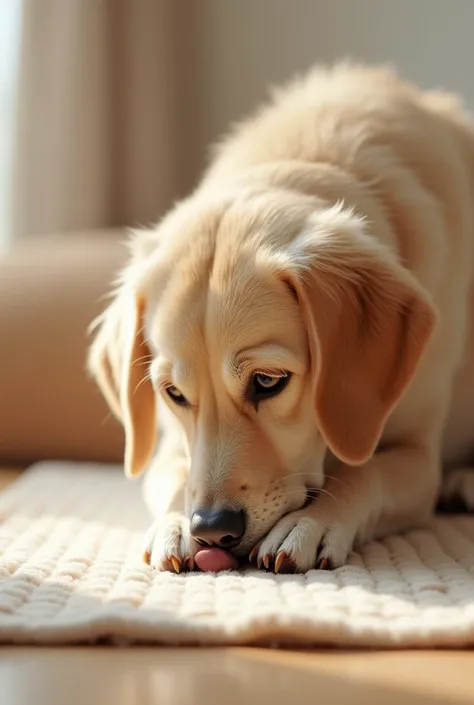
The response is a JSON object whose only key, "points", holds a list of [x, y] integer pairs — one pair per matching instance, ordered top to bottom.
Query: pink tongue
{"points": [[213, 560]]}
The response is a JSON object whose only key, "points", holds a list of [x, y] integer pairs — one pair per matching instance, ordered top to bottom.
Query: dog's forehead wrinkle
{"points": [[245, 299]]}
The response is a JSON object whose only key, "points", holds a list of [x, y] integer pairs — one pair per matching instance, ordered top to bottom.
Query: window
{"points": [[10, 27]]}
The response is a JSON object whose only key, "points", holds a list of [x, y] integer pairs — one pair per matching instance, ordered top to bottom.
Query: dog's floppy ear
{"points": [[368, 323], [119, 360]]}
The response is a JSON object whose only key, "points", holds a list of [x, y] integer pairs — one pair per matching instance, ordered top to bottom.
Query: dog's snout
{"points": [[218, 527]]}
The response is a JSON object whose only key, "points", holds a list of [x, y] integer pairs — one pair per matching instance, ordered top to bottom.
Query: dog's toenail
{"points": [[279, 560], [176, 563]]}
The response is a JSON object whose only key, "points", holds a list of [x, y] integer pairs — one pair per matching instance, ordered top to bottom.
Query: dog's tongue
{"points": [[213, 560]]}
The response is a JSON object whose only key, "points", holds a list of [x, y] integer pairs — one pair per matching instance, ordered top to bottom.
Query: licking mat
{"points": [[71, 572]]}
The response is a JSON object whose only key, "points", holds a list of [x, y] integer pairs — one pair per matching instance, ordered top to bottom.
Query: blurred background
{"points": [[107, 108]]}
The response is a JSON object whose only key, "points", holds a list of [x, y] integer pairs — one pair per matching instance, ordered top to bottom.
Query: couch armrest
{"points": [[50, 290]]}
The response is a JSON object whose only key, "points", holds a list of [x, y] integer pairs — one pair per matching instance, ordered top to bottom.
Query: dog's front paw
{"points": [[300, 541], [169, 544]]}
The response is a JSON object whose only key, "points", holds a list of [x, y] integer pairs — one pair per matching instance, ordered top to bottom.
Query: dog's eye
{"points": [[266, 381], [263, 386], [176, 396]]}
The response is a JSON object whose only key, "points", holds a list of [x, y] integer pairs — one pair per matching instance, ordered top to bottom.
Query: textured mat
{"points": [[71, 571]]}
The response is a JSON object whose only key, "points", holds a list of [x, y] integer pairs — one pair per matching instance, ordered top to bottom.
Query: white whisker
{"points": [[146, 358], [145, 378], [336, 479], [314, 494]]}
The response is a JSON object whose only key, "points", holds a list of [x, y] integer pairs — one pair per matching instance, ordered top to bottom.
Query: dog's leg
{"points": [[393, 491], [168, 543]]}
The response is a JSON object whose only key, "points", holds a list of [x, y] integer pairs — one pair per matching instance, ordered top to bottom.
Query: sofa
{"points": [[50, 290]]}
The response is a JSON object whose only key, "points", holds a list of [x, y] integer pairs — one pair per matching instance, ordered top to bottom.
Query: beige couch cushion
{"points": [[50, 290]]}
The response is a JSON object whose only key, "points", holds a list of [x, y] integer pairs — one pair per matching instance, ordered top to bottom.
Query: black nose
{"points": [[218, 527]]}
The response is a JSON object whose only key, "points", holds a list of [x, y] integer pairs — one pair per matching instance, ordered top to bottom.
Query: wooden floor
{"points": [[230, 676]]}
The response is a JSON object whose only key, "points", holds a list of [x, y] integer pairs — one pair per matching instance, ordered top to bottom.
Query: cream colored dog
{"points": [[300, 329]]}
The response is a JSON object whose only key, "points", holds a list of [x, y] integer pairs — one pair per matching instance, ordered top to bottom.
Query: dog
{"points": [[291, 350]]}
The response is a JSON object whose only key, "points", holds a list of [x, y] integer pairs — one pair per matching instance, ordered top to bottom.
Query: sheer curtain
{"points": [[9, 52], [100, 98]]}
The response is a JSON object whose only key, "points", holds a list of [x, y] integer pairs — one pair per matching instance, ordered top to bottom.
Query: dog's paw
{"points": [[299, 541], [169, 544]]}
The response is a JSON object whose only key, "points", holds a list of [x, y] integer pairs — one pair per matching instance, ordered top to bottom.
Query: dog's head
{"points": [[274, 328]]}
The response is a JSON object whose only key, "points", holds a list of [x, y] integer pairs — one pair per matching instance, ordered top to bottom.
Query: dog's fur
{"points": [[331, 237]]}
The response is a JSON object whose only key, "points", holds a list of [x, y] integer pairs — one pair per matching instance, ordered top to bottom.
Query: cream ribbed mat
{"points": [[71, 571]]}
